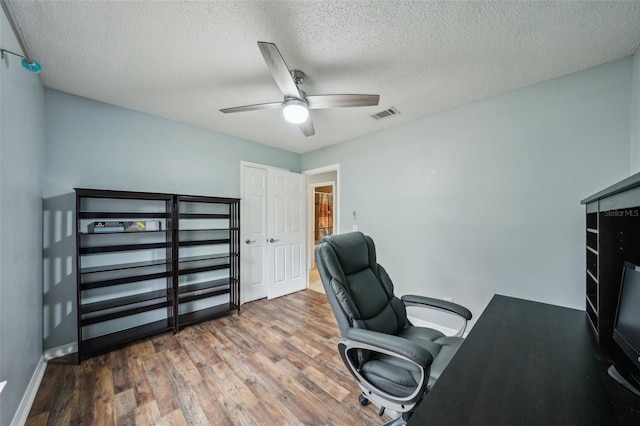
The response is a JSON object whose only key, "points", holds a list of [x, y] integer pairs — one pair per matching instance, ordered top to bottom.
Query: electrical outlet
{"points": [[355, 228], [448, 299]]}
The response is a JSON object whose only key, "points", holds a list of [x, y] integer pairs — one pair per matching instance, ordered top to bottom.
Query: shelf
{"points": [[122, 195], [204, 199], [123, 215], [204, 216], [592, 221], [216, 222], [205, 229], [162, 231], [595, 231], [204, 242], [124, 247], [592, 250], [204, 257], [592, 263], [121, 266], [185, 267], [204, 268], [592, 276], [125, 280], [189, 288], [205, 295], [123, 301], [591, 306], [125, 313], [205, 314], [592, 320], [110, 341]]}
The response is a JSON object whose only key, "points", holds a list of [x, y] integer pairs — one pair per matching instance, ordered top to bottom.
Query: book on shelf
{"points": [[132, 226]]}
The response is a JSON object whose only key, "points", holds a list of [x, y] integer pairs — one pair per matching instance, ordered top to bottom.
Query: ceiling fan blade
{"points": [[279, 70], [341, 101], [271, 105], [307, 127]]}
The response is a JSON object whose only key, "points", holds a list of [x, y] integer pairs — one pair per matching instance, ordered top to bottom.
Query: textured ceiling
{"points": [[186, 60]]}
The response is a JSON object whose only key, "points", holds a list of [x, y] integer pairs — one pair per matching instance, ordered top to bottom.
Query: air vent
{"points": [[386, 113]]}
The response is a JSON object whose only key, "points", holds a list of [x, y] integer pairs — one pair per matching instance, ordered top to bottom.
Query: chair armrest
{"points": [[413, 300], [391, 345], [395, 346]]}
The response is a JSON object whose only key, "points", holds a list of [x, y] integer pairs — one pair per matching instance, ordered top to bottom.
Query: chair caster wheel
{"points": [[363, 400]]}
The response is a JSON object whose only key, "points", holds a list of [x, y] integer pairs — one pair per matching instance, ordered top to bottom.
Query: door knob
{"points": [[272, 240], [248, 241]]}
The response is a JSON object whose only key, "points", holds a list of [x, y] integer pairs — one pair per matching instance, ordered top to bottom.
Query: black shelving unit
{"points": [[207, 236], [612, 237], [125, 279], [131, 285]]}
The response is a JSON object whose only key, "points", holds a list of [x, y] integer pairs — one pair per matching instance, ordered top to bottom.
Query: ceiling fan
{"points": [[296, 103]]}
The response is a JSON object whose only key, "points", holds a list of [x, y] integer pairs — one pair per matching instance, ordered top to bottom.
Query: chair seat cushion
{"points": [[400, 378]]}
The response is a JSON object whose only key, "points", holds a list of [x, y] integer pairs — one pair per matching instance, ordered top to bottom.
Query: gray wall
{"points": [[634, 115], [96, 145], [21, 165], [484, 198], [59, 277]]}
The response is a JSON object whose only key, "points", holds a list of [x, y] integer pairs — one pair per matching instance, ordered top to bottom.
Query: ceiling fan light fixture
{"points": [[295, 111]]}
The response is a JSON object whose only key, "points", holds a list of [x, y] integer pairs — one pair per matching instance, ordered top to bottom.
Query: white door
{"points": [[254, 233], [273, 233], [285, 233]]}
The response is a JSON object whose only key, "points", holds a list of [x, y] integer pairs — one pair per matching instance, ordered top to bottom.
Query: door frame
{"points": [[310, 213]]}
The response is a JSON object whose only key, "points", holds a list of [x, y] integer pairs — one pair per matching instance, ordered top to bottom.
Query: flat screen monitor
{"points": [[626, 331]]}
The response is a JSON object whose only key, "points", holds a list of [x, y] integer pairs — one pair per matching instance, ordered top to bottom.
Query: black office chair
{"points": [[394, 362]]}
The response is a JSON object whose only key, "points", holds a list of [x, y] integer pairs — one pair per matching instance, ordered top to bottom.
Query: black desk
{"points": [[528, 363]]}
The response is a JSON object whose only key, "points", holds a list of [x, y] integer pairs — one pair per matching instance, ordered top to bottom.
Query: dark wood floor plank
{"points": [[276, 363], [121, 376], [86, 390], [104, 401]]}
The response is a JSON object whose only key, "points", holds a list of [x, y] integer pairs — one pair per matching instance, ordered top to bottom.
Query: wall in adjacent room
{"points": [[96, 145], [21, 166], [485, 198]]}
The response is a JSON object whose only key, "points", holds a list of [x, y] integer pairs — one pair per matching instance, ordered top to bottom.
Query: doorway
{"points": [[323, 207]]}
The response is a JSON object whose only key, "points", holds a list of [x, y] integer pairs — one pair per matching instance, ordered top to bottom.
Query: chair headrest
{"points": [[352, 250]]}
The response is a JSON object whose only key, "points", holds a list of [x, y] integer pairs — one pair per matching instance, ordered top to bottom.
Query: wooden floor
{"points": [[274, 364]]}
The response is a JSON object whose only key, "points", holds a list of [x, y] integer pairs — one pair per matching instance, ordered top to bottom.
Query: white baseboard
{"points": [[59, 351], [22, 412]]}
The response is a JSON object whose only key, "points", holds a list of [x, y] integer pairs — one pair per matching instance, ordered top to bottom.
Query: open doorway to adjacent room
{"points": [[322, 218]]}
